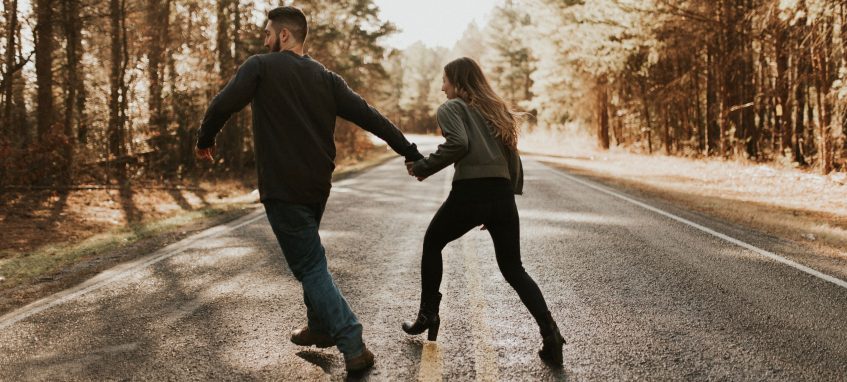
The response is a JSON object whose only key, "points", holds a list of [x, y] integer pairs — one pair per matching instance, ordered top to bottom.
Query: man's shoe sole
{"points": [[322, 345]]}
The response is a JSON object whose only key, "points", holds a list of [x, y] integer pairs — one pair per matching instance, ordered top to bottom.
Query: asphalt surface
{"points": [[638, 295]]}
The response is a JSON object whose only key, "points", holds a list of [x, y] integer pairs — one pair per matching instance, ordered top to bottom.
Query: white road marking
{"points": [[710, 231], [122, 271]]}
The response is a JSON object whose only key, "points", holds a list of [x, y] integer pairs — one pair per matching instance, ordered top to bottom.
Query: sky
{"points": [[435, 22]]}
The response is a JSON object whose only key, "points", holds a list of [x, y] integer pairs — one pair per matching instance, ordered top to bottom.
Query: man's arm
{"points": [[234, 97], [354, 108], [454, 148]]}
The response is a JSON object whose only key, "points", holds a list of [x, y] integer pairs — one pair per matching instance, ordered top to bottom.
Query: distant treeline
{"points": [[757, 79], [105, 92]]}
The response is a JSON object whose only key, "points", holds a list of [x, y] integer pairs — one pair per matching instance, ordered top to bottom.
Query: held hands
{"points": [[206, 154], [410, 169]]}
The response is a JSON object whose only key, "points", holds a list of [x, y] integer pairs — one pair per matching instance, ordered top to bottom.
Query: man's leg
{"points": [[296, 228], [314, 322]]}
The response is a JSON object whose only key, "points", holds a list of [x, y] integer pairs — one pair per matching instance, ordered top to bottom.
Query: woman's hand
{"points": [[410, 168]]}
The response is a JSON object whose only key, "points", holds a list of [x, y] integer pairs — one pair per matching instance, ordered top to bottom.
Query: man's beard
{"points": [[276, 46]]}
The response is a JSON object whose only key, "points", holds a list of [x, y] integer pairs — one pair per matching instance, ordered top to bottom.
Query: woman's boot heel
{"points": [[427, 319], [432, 333], [552, 341]]}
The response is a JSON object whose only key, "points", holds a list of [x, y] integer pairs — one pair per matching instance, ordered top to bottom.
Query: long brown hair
{"points": [[471, 86]]}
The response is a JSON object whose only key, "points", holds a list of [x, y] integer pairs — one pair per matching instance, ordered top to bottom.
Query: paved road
{"points": [[638, 295]]}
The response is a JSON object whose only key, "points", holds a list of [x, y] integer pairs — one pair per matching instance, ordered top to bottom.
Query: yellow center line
{"points": [[485, 355], [431, 368]]}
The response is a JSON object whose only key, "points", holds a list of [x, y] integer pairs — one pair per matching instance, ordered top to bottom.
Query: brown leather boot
{"points": [[306, 337], [360, 363]]}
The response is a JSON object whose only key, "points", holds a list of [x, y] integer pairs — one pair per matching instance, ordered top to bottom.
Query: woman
{"points": [[481, 140]]}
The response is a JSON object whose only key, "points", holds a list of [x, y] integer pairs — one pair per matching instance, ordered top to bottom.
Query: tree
{"points": [[157, 40], [44, 46], [508, 60], [117, 85], [74, 107]]}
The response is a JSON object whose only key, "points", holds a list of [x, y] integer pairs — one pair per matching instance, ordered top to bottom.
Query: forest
{"points": [[105, 92]]}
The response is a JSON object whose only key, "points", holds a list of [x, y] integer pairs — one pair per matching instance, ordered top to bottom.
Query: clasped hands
{"points": [[410, 168]]}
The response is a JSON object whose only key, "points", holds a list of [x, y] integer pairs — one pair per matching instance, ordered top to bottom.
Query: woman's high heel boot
{"points": [[428, 319], [552, 341]]}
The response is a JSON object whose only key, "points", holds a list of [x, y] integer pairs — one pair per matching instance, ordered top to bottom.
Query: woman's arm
{"points": [[450, 120]]}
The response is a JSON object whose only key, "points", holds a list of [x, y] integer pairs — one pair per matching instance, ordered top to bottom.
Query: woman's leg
{"points": [[452, 220], [504, 227]]}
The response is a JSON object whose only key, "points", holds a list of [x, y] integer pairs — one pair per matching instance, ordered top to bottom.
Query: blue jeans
{"points": [[296, 228]]}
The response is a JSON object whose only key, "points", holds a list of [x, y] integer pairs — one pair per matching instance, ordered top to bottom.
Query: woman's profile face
{"points": [[447, 87]]}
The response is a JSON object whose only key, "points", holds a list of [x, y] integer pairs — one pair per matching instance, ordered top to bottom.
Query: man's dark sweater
{"points": [[295, 102]]}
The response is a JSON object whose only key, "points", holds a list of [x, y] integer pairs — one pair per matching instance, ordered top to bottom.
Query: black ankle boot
{"points": [[428, 319], [552, 340]]}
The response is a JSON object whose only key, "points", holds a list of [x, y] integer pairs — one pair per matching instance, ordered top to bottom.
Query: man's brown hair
{"points": [[291, 18]]}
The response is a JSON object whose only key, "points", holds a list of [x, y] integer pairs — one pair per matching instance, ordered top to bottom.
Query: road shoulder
{"points": [[780, 229], [64, 265]]}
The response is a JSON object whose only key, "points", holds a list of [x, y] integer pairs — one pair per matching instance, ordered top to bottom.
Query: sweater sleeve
{"points": [[235, 96], [352, 107], [455, 147]]}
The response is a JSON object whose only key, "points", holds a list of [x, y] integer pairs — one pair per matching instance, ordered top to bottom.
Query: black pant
{"points": [[469, 206]]}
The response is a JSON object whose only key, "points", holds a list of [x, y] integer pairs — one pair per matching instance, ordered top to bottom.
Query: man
{"points": [[295, 101]]}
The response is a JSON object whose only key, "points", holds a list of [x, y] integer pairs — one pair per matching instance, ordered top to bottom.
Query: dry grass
{"points": [[787, 202], [52, 240]]}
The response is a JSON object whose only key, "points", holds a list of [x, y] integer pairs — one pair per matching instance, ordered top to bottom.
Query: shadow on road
{"points": [[319, 359]]}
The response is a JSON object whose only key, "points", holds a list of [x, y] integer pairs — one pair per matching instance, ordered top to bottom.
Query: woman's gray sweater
{"points": [[472, 147]]}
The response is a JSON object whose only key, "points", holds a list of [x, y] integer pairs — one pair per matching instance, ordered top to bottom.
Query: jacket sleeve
{"points": [[234, 97], [354, 108], [450, 120], [515, 170]]}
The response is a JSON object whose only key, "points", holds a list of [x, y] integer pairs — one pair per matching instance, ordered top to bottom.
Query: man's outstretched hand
{"points": [[207, 154], [410, 168]]}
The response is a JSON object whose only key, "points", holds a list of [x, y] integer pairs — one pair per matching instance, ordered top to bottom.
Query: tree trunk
{"points": [[158, 19], [12, 25], [44, 45], [844, 58], [730, 75], [825, 75], [761, 87], [800, 87], [75, 98], [19, 104], [712, 113], [602, 114], [783, 114], [700, 122], [238, 128], [667, 129], [116, 132], [750, 134], [227, 146]]}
